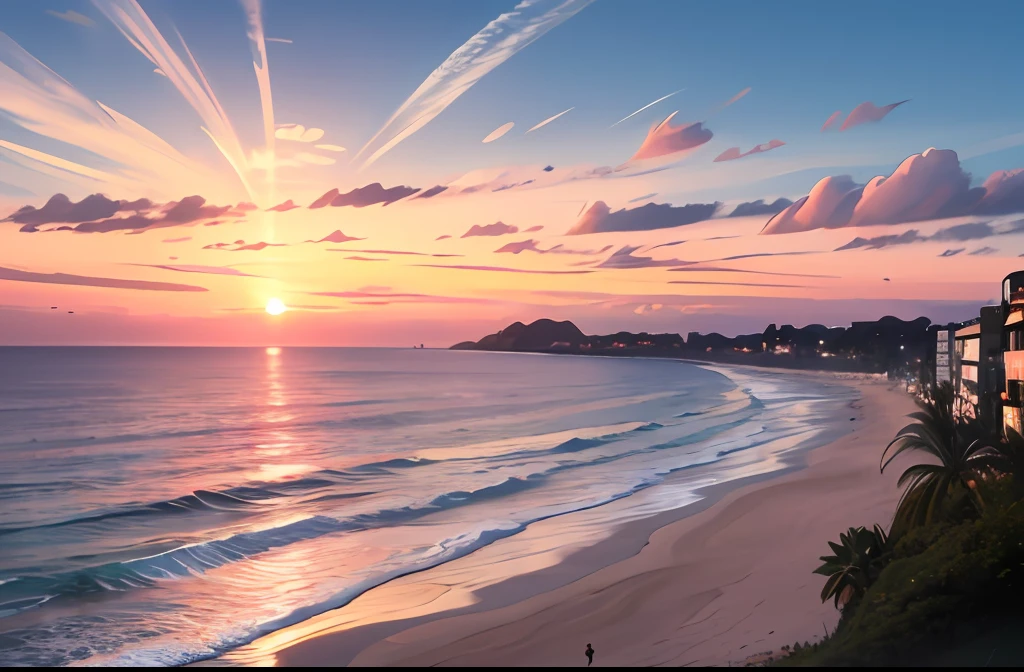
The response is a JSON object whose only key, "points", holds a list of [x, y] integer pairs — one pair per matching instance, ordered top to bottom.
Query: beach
{"points": [[725, 579]]}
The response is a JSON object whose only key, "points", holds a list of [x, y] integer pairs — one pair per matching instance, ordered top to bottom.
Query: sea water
{"points": [[159, 506]]}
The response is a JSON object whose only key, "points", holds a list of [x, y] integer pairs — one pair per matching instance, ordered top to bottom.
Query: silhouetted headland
{"points": [[886, 345]]}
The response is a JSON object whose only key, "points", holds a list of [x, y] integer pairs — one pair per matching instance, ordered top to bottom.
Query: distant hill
{"points": [[885, 344]]}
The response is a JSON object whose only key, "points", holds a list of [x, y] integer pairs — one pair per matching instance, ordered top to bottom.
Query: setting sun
{"points": [[276, 306]]}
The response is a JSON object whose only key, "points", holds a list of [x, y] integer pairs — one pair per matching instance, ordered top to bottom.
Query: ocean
{"points": [[160, 506]]}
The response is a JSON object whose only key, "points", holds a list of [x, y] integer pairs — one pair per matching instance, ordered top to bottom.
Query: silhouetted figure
{"points": [[590, 654]]}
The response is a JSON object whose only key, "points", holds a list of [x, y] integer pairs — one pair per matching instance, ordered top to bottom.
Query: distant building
{"points": [[1013, 349], [977, 365]]}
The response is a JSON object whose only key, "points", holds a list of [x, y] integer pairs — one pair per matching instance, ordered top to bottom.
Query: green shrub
{"points": [[941, 577]]}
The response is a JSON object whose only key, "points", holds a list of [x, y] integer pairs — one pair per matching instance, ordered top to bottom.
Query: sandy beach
{"points": [[723, 581]]}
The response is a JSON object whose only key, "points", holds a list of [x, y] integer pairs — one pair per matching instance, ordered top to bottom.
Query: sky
{"points": [[399, 172]]}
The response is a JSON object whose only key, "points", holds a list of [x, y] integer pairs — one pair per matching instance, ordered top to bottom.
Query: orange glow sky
{"points": [[136, 118]]}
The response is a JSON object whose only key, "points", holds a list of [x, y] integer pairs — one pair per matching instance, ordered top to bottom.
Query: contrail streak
{"points": [[645, 107]]}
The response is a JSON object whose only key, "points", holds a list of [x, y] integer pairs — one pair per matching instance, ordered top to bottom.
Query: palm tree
{"points": [[961, 447], [855, 565]]}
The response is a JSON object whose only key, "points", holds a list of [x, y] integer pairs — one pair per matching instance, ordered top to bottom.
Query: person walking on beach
{"points": [[590, 654]]}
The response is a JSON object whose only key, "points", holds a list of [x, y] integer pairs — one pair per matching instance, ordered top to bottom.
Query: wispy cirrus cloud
{"points": [[71, 16], [494, 44], [188, 79], [550, 119], [498, 132], [734, 153], [136, 160], [533, 246], [404, 253], [197, 268], [500, 269], [16, 275]]}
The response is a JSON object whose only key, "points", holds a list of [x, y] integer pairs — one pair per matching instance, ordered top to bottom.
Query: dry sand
{"points": [[726, 581]]}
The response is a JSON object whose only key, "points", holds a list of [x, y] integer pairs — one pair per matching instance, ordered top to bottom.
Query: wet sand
{"points": [[725, 580]]}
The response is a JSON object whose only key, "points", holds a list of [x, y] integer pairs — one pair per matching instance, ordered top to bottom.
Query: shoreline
{"points": [[435, 616]]}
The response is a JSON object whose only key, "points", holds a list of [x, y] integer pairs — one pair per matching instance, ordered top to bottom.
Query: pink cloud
{"points": [[865, 113], [832, 120], [665, 139], [733, 153], [930, 185], [362, 197], [283, 207], [61, 209], [600, 218], [496, 229], [532, 229], [335, 237], [444, 237], [177, 240], [241, 246], [532, 246], [398, 252], [623, 258], [194, 268], [500, 269], [89, 281]]}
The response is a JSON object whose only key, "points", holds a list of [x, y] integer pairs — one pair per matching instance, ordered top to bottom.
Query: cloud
{"points": [[72, 16], [282, 40], [494, 44], [189, 80], [737, 97], [651, 104], [867, 112], [550, 119], [832, 120], [498, 132], [298, 133], [664, 139], [331, 148], [733, 153], [548, 169], [926, 186], [433, 191], [361, 197], [643, 198], [283, 207], [759, 207], [60, 209], [188, 210], [600, 219], [534, 228], [496, 229], [961, 232], [335, 237], [444, 237], [177, 240], [878, 242], [671, 244], [241, 246], [532, 246], [983, 251], [399, 252], [953, 253], [754, 255], [358, 258], [623, 258], [698, 268], [501, 269], [211, 270], [88, 281], [733, 284], [387, 297]]}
